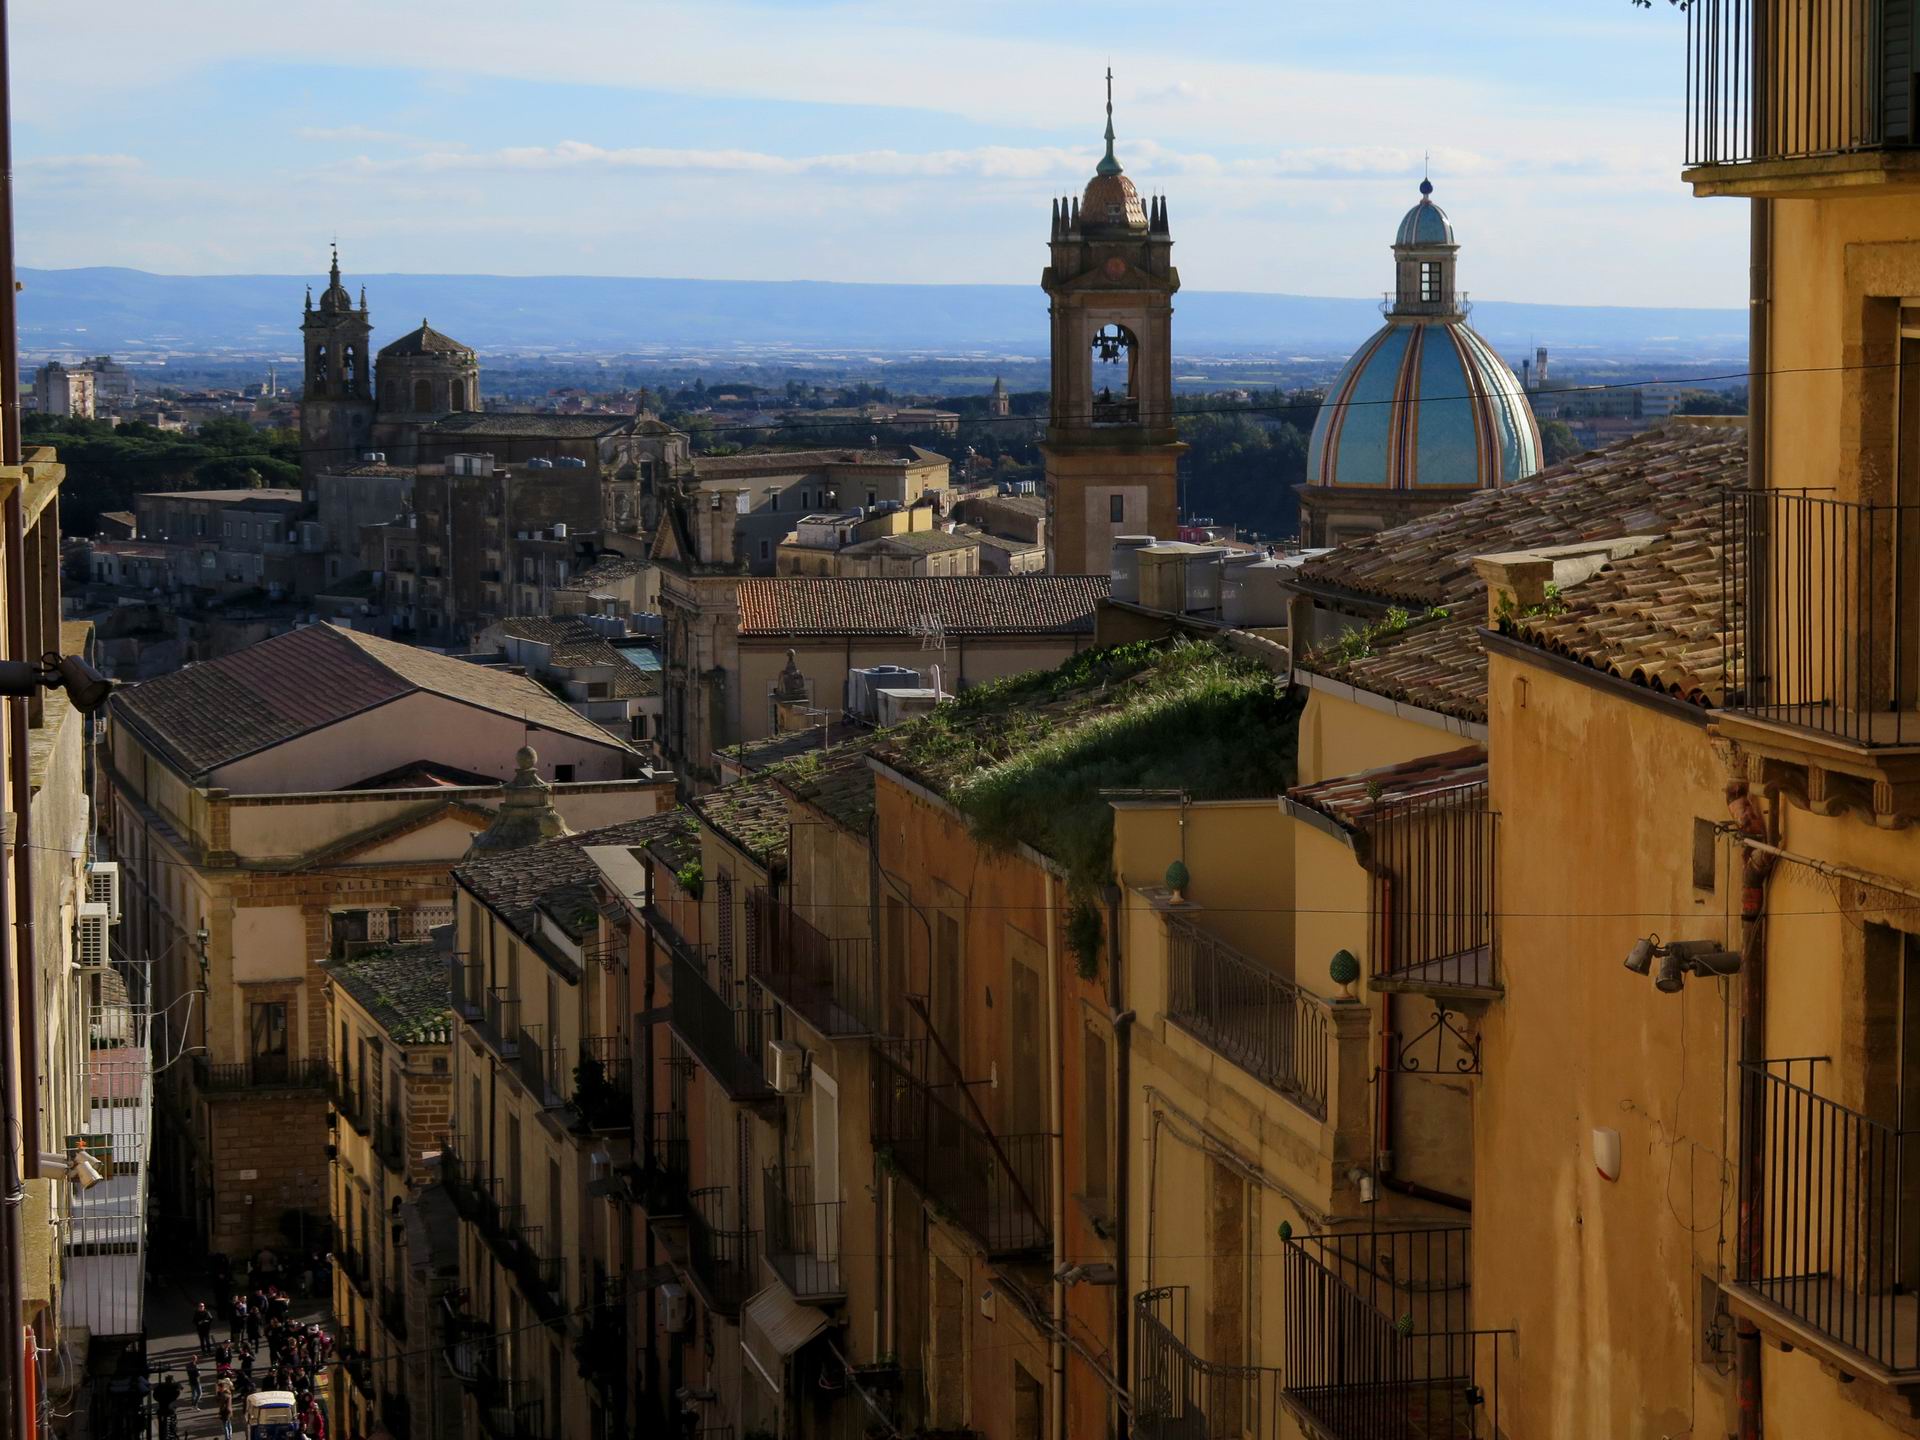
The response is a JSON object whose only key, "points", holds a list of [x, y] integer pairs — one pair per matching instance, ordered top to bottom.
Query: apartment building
{"points": [[273, 807], [389, 1023]]}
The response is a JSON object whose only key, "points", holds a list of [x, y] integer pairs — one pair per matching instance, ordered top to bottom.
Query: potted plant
{"points": [[1177, 881], [1343, 970]]}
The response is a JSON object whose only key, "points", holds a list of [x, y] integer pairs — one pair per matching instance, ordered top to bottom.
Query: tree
{"points": [[1557, 442]]}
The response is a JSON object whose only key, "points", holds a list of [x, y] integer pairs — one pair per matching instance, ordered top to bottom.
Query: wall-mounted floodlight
{"points": [[86, 687]]}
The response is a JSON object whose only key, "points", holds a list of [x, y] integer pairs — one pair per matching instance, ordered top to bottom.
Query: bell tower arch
{"points": [[336, 403], [1112, 452]]}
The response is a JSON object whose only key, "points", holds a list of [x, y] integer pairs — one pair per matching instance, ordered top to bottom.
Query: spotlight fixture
{"points": [[86, 687], [1640, 958], [1679, 959]]}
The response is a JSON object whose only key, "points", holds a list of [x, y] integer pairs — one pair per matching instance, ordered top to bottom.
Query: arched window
{"points": [[350, 366], [317, 381], [423, 395], [457, 395], [1116, 399]]}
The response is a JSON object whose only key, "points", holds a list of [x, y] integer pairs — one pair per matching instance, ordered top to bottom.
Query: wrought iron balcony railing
{"points": [[1791, 82], [1821, 629], [1432, 901], [469, 979], [831, 984], [1261, 1021], [501, 1028], [726, 1038], [540, 1064], [262, 1072], [602, 1088], [350, 1103], [390, 1143], [663, 1176], [995, 1186], [473, 1194], [803, 1235], [1834, 1245], [721, 1256], [355, 1267], [542, 1274], [1378, 1342], [602, 1348], [1178, 1395]]}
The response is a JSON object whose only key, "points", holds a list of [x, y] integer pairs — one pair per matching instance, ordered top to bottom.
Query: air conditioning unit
{"points": [[103, 887], [90, 936], [786, 1065], [675, 1312]]}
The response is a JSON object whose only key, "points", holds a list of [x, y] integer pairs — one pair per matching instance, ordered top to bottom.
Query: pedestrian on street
{"points": [[256, 1309], [237, 1322], [203, 1324], [246, 1361], [193, 1378], [224, 1392]]}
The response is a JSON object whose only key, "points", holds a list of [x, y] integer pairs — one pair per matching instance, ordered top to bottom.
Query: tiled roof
{"points": [[424, 341], [533, 425], [781, 462], [1668, 482], [1640, 486], [228, 497], [917, 542], [604, 570], [965, 604], [1655, 618], [574, 642], [215, 712], [836, 782], [1351, 800], [752, 813], [676, 844], [513, 882], [405, 988]]}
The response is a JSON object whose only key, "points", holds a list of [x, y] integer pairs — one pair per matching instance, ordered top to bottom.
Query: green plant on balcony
{"points": [[691, 878], [1084, 934], [594, 1097]]}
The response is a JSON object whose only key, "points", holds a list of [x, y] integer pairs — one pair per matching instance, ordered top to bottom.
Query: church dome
{"points": [[1112, 203], [1426, 223], [424, 341], [1425, 404]]}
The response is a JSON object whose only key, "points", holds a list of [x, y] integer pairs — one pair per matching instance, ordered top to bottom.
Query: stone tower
{"points": [[999, 405], [336, 407], [1111, 450]]}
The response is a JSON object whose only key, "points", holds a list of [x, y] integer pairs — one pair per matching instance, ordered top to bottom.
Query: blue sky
{"points": [[800, 139]]}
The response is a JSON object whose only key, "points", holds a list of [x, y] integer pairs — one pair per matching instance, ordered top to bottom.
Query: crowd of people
{"points": [[226, 1371]]}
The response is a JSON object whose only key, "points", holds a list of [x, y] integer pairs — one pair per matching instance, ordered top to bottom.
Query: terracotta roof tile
{"points": [[537, 425], [966, 604], [1351, 800], [752, 813], [513, 882], [405, 988]]}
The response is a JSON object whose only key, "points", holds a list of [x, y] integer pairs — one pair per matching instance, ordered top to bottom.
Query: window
{"points": [[1430, 280], [422, 395], [872, 499], [773, 500], [1117, 509], [227, 526], [766, 549], [563, 774], [268, 1029]]}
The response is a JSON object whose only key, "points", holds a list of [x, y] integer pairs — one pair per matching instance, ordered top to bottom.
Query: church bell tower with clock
{"points": [[1112, 452]]}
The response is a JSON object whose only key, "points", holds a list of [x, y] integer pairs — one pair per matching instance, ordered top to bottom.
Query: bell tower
{"points": [[336, 405], [1111, 450]]}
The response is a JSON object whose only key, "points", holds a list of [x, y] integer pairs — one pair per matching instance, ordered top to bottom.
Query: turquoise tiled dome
{"points": [[1426, 223], [1424, 404]]}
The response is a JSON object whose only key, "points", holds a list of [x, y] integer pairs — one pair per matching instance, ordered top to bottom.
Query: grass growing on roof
{"points": [[1025, 759]]}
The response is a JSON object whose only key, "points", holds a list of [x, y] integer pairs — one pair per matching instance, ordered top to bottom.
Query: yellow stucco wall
{"points": [[1340, 735], [1239, 859]]}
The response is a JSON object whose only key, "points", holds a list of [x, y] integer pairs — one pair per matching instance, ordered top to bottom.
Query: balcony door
{"points": [[1903, 642], [1907, 1124], [826, 1164]]}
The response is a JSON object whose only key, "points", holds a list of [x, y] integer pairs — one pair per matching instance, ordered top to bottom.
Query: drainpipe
{"points": [[1755, 867], [648, 983], [1057, 1153], [1122, 1170]]}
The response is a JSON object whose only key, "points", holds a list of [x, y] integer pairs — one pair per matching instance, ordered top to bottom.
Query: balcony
{"points": [[1791, 99], [1822, 644], [1431, 912], [469, 981], [831, 984], [1238, 1007], [501, 1026], [726, 1038], [540, 1064], [262, 1072], [602, 1098], [349, 1102], [390, 1144], [664, 1177], [995, 1187], [471, 1192], [803, 1235], [1835, 1256], [722, 1259], [354, 1266], [542, 1274], [393, 1310], [1378, 1341], [602, 1348], [1177, 1395]]}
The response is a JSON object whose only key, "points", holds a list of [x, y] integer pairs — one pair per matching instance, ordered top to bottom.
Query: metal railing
{"points": [[1784, 82], [1821, 630], [1432, 892], [469, 981], [832, 984], [1261, 1021], [502, 1029], [726, 1038], [540, 1064], [262, 1072], [602, 1083], [350, 1101], [390, 1143], [670, 1158], [997, 1187], [803, 1234], [1838, 1244], [722, 1256], [354, 1265], [542, 1274], [393, 1309], [1378, 1342], [601, 1347], [1177, 1395]]}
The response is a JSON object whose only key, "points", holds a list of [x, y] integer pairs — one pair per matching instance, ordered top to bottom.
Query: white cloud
{"points": [[81, 163]]}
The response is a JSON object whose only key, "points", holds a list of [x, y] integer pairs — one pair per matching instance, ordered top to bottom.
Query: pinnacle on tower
{"points": [[1108, 164]]}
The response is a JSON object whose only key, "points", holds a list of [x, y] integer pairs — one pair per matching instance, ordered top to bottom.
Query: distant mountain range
{"points": [[97, 310]]}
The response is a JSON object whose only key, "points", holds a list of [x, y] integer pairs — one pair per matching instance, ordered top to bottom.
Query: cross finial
{"points": [[1109, 165]]}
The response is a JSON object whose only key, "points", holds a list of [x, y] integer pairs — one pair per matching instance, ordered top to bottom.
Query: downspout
{"points": [[1754, 870], [648, 984], [1753, 999], [1058, 1167], [1122, 1170]]}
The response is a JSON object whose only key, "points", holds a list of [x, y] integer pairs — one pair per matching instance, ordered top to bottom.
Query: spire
{"points": [[1108, 165], [333, 275], [363, 298]]}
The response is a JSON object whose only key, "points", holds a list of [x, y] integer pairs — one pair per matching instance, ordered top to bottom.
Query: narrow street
{"points": [[170, 1341]]}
